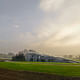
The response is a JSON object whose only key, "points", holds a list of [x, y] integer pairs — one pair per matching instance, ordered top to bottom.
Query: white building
{"points": [[31, 55], [34, 56]]}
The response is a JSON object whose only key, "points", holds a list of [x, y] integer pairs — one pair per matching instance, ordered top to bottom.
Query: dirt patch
{"points": [[26, 75]]}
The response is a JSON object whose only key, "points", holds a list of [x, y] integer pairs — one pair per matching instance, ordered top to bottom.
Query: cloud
{"points": [[50, 5], [62, 23], [17, 26], [60, 27], [59, 32], [28, 37]]}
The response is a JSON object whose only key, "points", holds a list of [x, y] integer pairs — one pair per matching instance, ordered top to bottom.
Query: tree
{"points": [[18, 57]]}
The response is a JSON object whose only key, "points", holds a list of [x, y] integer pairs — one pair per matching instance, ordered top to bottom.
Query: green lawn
{"points": [[65, 69]]}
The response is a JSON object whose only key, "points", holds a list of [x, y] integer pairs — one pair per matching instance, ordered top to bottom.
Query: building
{"points": [[31, 55]]}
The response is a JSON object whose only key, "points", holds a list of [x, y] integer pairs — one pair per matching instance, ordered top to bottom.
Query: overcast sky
{"points": [[48, 26]]}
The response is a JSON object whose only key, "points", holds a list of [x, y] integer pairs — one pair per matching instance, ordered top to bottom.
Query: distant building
{"points": [[31, 55]]}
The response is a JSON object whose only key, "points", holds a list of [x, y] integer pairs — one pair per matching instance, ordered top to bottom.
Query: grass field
{"points": [[64, 69]]}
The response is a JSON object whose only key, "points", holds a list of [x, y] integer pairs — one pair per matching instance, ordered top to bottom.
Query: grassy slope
{"points": [[66, 69]]}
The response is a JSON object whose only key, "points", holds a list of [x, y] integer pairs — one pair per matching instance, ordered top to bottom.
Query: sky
{"points": [[48, 26]]}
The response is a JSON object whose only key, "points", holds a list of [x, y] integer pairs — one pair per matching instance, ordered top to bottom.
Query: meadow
{"points": [[64, 69]]}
